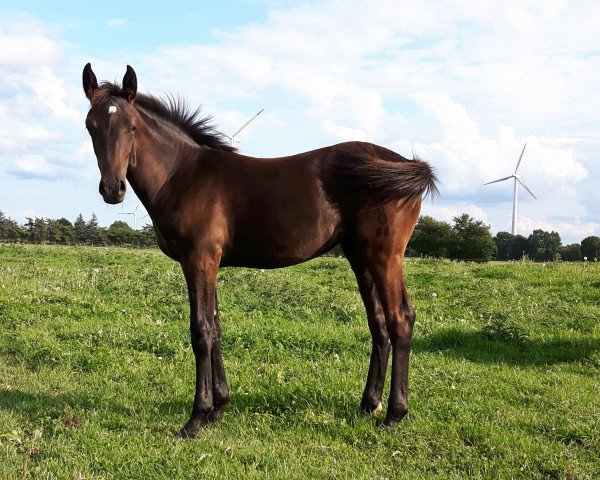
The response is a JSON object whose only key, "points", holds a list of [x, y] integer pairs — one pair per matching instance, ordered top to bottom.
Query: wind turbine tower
{"points": [[233, 138], [517, 179]]}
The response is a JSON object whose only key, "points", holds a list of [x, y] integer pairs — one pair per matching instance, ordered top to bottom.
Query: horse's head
{"points": [[112, 122]]}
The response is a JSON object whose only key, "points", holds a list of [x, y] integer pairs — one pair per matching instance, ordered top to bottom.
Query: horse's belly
{"points": [[274, 249]]}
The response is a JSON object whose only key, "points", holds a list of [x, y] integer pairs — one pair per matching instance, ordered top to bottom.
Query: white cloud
{"points": [[115, 22], [25, 41], [50, 93], [38, 112], [344, 133], [467, 158], [33, 166], [30, 213], [447, 213], [574, 230]]}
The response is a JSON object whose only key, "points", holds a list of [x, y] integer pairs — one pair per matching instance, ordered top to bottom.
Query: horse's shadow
{"points": [[475, 347], [52, 405]]}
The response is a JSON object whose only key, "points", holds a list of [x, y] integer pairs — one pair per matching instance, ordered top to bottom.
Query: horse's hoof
{"points": [[365, 407], [393, 419], [190, 429], [187, 433]]}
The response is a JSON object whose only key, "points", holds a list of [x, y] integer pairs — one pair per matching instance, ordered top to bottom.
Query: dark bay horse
{"points": [[213, 207]]}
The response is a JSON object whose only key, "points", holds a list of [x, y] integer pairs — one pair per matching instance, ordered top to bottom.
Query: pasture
{"points": [[96, 371]]}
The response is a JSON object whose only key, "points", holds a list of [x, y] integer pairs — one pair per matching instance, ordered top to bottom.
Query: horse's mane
{"points": [[175, 111]]}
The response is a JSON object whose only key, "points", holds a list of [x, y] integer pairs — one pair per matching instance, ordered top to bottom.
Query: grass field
{"points": [[96, 371]]}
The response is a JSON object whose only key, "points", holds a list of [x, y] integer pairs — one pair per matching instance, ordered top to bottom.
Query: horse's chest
{"points": [[167, 246]]}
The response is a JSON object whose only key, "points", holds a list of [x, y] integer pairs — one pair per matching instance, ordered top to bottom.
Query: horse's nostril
{"points": [[122, 186], [101, 188]]}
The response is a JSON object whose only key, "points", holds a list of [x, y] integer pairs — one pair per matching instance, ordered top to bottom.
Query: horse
{"points": [[213, 207]]}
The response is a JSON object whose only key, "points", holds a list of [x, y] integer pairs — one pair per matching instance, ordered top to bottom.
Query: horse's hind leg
{"points": [[384, 233], [399, 318], [380, 349]]}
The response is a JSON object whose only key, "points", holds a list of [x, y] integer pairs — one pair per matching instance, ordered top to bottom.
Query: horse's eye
{"points": [[133, 128]]}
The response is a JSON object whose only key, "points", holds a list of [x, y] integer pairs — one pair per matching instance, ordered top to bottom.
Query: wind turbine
{"points": [[233, 138], [517, 179], [136, 219]]}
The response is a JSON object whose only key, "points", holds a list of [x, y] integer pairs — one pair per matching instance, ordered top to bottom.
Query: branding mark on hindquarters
{"points": [[382, 220]]}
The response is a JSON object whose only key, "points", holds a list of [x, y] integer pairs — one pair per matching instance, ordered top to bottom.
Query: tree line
{"points": [[80, 232], [466, 238], [471, 239]]}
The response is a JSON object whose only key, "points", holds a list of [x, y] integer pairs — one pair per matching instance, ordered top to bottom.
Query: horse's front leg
{"points": [[200, 275], [220, 387]]}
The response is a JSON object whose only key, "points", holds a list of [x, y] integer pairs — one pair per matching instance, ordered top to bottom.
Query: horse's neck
{"points": [[158, 153]]}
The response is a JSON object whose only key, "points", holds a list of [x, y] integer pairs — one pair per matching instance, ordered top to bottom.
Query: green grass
{"points": [[96, 371]]}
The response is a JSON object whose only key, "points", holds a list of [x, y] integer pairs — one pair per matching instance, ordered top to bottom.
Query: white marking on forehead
{"points": [[112, 109]]}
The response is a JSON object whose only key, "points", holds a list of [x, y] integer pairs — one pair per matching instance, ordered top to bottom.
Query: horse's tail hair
{"points": [[372, 180]]}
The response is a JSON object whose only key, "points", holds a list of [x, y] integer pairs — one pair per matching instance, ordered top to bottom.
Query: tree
{"points": [[3, 222], [79, 228], [10, 230], [36, 230], [41, 230], [61, 231], [120, 233], [94, 234], [148, 236], [431, 238], [473, 239], [503, 241], [543, 246], [518, 247], [590, 248], [571, 253]]}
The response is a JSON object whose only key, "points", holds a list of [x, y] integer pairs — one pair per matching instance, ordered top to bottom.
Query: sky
{"points": [[461, 84]]}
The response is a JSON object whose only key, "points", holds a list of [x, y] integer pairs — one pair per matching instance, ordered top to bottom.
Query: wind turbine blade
{"points": [[247, 123], [521, 157], [499, 180], [526, 188]]}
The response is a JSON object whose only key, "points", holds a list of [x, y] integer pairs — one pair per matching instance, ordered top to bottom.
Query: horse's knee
{"points": [[409, 314], [400, 325], [202, 337]]}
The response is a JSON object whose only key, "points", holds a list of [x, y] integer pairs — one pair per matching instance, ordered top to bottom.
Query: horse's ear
{"points": [[129, 83], [90, 84]]}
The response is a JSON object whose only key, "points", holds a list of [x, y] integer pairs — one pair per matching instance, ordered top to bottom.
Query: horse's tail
{"points": [[371, 176]]}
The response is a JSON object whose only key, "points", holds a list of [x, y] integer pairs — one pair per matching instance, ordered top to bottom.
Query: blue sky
{"points": [[464, 85]]}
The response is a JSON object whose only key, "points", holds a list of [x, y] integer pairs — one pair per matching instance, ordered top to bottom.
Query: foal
{"points": [[213, 207]]}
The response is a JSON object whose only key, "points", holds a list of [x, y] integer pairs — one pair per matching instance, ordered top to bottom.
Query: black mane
{"points": [[175, 111]]}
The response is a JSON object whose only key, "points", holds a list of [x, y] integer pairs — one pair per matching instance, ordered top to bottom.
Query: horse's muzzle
{"points": [[112, 192]]}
